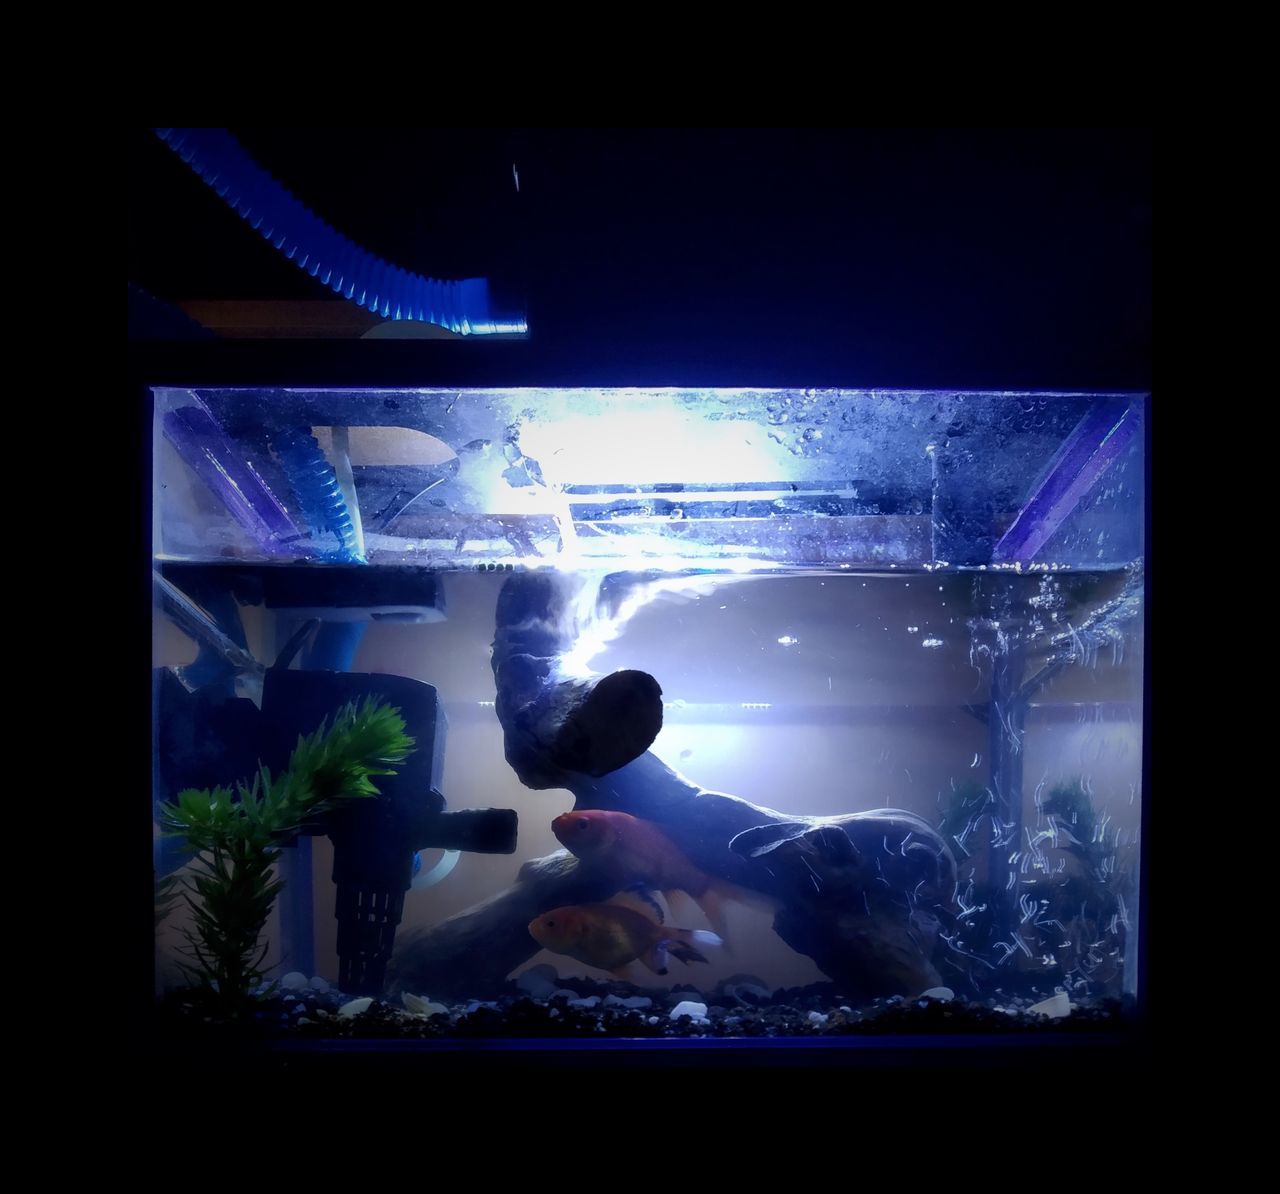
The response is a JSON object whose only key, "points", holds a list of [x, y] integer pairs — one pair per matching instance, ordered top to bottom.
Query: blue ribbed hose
{"points": [[464, 307], [319, 495]]}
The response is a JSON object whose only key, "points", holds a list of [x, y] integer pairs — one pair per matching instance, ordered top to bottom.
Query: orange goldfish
{"points": [[633, 852], [610, 937]]}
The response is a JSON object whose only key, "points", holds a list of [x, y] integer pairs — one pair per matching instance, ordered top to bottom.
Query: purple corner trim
{"points": [[1101, 436], [203, 444]]}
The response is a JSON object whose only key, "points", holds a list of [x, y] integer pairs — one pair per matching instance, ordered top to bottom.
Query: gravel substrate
{"points": [[739, 1007]]}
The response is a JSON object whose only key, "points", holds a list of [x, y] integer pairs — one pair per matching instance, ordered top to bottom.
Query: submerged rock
{"points": [[295, 980], [539, 981], [745, 988], [681, 994], [418, 1006], [354, 1007], [1055, 1007], [697, 1011]]}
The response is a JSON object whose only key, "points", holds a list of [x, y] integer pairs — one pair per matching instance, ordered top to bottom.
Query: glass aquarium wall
{"points": [[565, 712]]}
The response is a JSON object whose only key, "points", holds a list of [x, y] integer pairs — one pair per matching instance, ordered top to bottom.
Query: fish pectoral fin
{"points": [[645, 893]]}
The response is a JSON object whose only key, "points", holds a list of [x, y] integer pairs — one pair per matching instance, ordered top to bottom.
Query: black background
{"points": [[912, 258], [962, 258]]}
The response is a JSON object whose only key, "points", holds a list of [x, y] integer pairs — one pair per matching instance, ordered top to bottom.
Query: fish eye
{"points": [[584, 823], [551, 924]]}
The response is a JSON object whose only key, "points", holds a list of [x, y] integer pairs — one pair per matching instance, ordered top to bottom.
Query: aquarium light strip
{"points": [[675, 489], [699, 496]]}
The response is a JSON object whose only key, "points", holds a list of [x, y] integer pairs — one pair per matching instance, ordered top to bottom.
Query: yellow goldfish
{"points": [[633, 851], [610, 937]]}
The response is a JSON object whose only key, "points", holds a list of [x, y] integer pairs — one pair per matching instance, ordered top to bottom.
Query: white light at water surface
{"points": [[642, 440]]}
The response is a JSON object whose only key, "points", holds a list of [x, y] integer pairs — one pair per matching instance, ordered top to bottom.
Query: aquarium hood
{"points": [[649, 479]]}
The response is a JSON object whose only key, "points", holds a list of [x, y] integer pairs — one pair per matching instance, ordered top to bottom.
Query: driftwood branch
{"points": [[863, 894]]}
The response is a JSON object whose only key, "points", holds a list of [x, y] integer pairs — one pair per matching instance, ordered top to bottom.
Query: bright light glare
{"points": [[646, 444]]}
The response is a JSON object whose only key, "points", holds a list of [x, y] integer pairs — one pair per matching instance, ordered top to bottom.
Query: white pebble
{"points": [[295, 980], [539, 981], [319, 984], [946, 994], [674, 997], [591, 1001], [638, 1002], [416, 1005], [354, 1007], [1055, 1007], [697, 1011], [817, 1018], [653, 1019]]}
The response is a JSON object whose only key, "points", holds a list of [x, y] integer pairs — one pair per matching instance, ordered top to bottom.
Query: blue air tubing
{"points": [[461, 306]]}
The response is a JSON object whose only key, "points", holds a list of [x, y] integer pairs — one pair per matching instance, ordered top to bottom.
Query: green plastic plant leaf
{"points": [[230, 887]]}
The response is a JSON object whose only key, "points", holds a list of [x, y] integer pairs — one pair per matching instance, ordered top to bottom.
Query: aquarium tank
{"points": [[595, 715]]}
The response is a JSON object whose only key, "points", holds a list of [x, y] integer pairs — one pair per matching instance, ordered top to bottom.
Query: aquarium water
{"points": [[841, 693]]}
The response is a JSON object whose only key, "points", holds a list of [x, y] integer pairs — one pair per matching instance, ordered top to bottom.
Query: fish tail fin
{"points": [[682, 944]]}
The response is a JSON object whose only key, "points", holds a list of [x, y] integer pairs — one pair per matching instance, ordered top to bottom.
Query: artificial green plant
{"points": [[230, 887]]}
